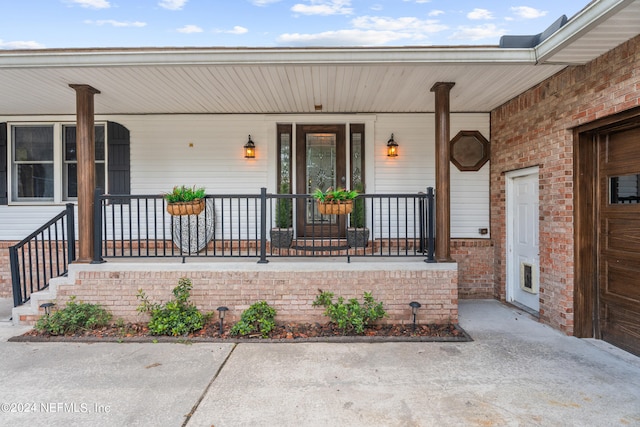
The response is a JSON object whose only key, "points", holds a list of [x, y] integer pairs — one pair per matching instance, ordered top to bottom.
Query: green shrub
{"points": [[184, 194], [331, 195], [284, 208], [357, 216], [351, 316], [75, 317], [176, 317], [258, 317]]}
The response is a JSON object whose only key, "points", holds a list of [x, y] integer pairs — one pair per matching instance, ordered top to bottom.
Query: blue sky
{"points": [[35, 24]]}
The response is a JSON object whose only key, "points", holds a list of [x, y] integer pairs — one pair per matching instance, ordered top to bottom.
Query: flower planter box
{"points": [[342, 207], [186, 208]]}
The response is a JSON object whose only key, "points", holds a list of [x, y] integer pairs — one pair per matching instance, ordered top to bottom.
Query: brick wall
{"points": [[534, 129], [475, 258], [5, 270], [290, 287]]}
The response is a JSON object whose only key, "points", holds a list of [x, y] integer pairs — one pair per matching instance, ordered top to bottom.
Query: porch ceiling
{"points": [[281, 80], [266, 88]]}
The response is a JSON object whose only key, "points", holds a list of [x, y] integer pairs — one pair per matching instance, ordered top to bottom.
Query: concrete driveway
{"points": [[516, 372]]}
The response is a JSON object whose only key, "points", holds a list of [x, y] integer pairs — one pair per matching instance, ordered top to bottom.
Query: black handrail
{"points": [[237, 225], [44, 254]]}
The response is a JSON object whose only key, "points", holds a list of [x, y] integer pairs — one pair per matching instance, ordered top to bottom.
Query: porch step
{"points": [[319, 245], [320, 248], [6, 306], [30, 312]]}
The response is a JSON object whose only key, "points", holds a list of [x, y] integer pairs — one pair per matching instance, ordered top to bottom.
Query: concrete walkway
{"points": [[516, 372]]}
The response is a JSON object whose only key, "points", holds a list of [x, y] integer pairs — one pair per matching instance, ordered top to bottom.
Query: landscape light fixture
{"points": [[392, 147], [249, 149], [47, 308], [414, 310], [221, 312]]}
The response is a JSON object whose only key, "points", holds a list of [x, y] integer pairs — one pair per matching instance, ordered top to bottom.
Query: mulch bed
{"points": [[288, 333]]}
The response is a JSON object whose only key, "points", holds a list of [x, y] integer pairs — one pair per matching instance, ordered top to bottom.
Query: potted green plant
{"points": [[183, 200], [334, 202], [357, 232], [282, 233]]}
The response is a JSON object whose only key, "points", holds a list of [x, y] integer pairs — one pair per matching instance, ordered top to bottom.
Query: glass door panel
{"points": [[320, 163], [321, 171]]}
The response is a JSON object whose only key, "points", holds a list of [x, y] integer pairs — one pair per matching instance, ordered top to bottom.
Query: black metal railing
{"points": [[241, 226], [43, 255]]}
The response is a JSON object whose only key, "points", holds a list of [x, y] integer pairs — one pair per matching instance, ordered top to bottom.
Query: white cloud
{"points": [[264, 2], [91, 4], [172, 4], [323, 7], [376, 7], [436, 12], [527, 12], [480, 14], [115, 23], [407, 24], [189, 29], [235, 30], [238, 30], [369, 31], [477, 33], [342, 38], [21, 45]]}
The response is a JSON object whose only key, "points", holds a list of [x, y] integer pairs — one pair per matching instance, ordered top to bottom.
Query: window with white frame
{"points": [[70, 160], [44, 162], [33, 163]]}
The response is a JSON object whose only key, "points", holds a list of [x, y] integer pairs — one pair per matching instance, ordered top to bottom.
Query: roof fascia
{"points": [[585, 20], [267, 56]]}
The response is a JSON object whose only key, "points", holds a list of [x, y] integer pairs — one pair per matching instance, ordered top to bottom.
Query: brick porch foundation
{"points": [[475, 258], [289, 286]]}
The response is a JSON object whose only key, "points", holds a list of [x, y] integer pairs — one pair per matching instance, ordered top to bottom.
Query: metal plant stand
{"points": [[191, 233]]}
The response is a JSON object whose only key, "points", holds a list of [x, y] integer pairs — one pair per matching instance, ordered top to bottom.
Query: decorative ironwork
{"points": [[400, 225], [191, 233], [43, 255]]}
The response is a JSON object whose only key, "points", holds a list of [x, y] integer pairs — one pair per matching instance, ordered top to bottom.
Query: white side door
{"points": [[523, 251]]}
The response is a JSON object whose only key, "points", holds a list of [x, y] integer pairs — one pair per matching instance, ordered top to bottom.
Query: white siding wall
{"points": [[206, 150], [162, 155], [414, 168], [470, 190], [17, 222]]}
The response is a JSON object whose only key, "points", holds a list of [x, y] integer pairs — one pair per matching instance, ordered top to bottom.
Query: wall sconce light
{"points": [[392, 147], [249, 149], [415, 305], [221, 312]]}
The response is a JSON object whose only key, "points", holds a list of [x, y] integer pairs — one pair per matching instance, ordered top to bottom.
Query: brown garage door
{"points": [[619, 239]]}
